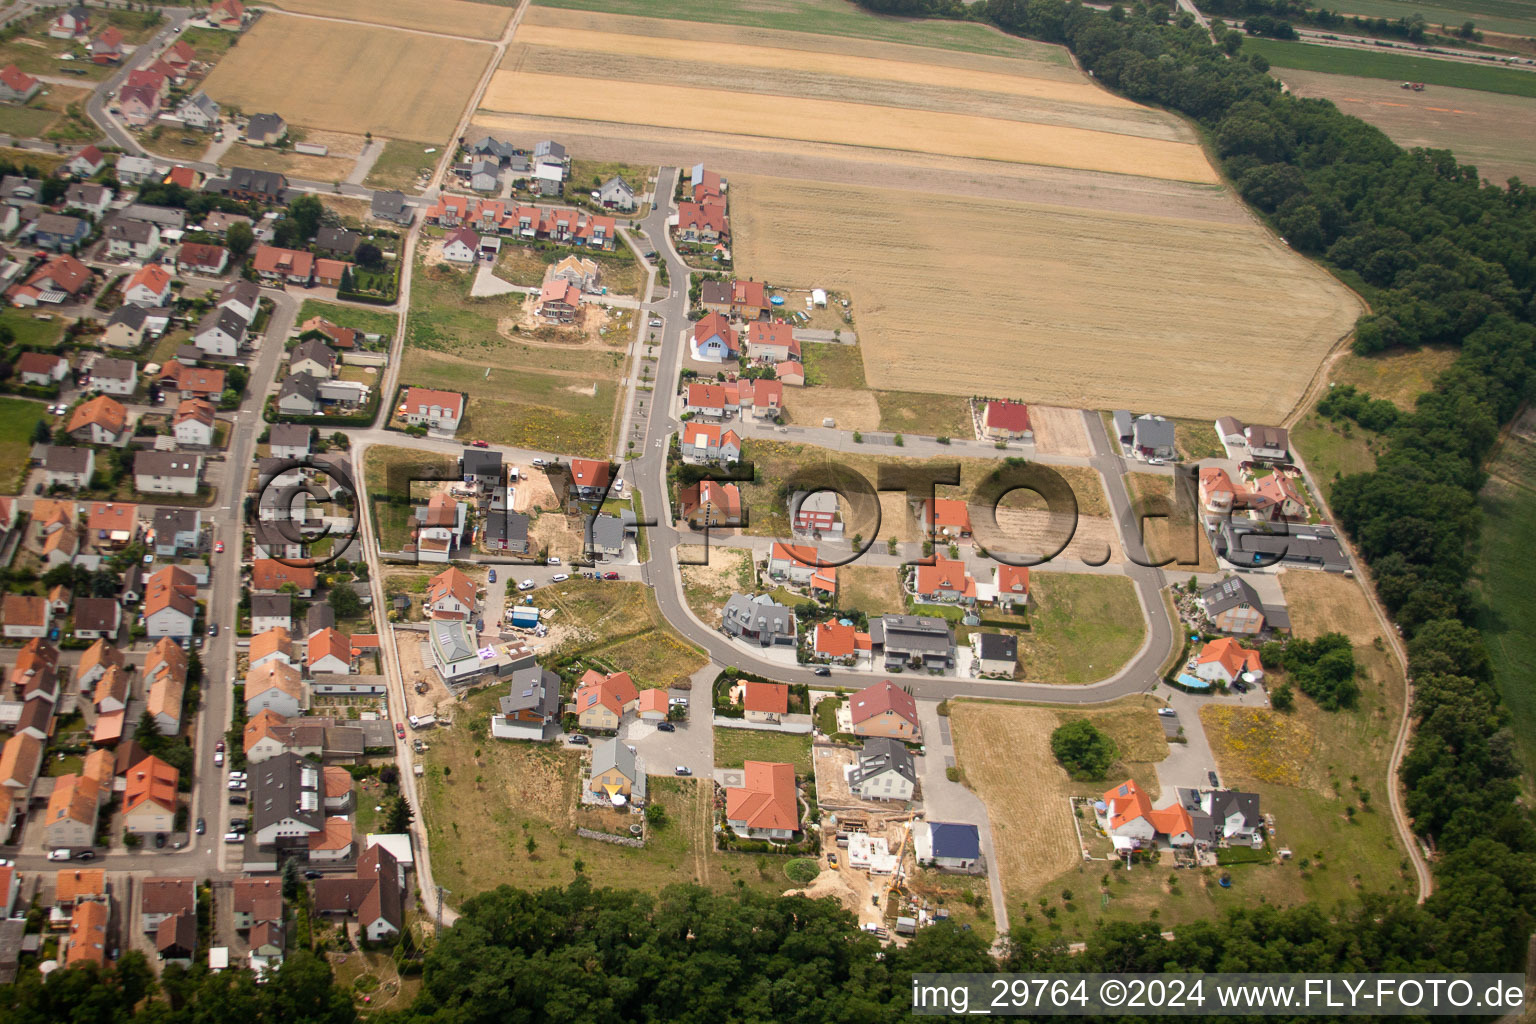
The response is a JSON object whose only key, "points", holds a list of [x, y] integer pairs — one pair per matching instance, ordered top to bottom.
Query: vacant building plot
{"points": [[443, 17], [354, 78], [1495, 133], [1057, 335], [1083, 627]]}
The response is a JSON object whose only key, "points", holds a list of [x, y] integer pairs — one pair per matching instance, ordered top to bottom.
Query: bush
{"points": [[1084, 751]]}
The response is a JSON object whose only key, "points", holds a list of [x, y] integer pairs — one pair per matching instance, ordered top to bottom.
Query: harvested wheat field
{"points": [[447, 17], [357, 79], [858, 124], [1183, 291], [849, 409], [1059, 431], [995, 746]]}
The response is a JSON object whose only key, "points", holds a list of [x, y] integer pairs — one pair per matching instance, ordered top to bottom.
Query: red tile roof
{"points": [[16, 79], [102, 411], [1010, 416], [589, 472], [270, 574], [945, 575], [1232, 656], [612, 691], [770, 698], [880, 698], [766, 798]]}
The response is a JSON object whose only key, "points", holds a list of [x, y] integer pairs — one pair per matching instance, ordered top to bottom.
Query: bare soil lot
{"points": [[357, 78], [1059, 431]]}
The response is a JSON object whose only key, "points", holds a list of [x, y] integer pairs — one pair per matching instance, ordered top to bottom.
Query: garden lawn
{"points": [[401, 164], [366, 320], [30, 332], [833, 366], [906, 412], [18, 418], [386, 475], [871, 589], [1084, 627], [734, 747]]}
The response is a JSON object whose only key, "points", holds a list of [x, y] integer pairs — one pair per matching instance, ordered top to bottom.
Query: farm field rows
{"points": [[448, 17], [710, 19], [1397, 67], [358, 78], [1494, 133], [1015, 157], [1183, 289]]}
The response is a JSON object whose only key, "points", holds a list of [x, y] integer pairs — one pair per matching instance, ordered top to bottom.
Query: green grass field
{"points": [[1514, 16], [832, 18], [1369, 64], [26, 122], [399, 165], [366, 320], [30, 331], [834, 366], [549, 397], [907, 412], [18, 418], [391, 522], [1506, 580], [1083, 627], [734, 747]]}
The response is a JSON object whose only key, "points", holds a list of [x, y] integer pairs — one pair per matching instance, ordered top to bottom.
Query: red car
{"points": [[479, 444], [218, 548], [610, 575], [399, 730]]}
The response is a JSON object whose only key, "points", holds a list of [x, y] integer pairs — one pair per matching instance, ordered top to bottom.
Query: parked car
{"points": [[655, 323], [479, 444], [538, 462], [1156, 462], [218, 547], [552, 560], [610, 575], [493, 576], [559, 577], [526, 585], [213, 629], [821, 670], [1240, 686], [677, 702], [1168, 712], [665, 727], [400, 730], [577, 739], [219, 746], [418, 746], [218, 758], [682, 769], [239, 775], [1214, 780], [237, 785], [238, 799], [239, 824], [202, 826], [234, 837], [160, 838], [58, 855], [86, 855], [832, 858], [311, 875]]}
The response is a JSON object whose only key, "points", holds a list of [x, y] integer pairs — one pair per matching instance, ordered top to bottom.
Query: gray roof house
{"points": [[264, 128], [494, 148], [548, 150], [484, 175], [616, 194], [391, 206], [160, 216], [339, 241], [299, 395], [1123, 428], [1152, 437], [289, 440], [506, 531], [608, 533], [1248, 542], [758, 619], [916, 640], [996, 653], [531, 706], [610, 755], [884, 770], [286, 801]]}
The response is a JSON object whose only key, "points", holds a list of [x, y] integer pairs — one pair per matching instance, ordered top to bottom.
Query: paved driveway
{"points": [[692, 745], [1188, 762]]}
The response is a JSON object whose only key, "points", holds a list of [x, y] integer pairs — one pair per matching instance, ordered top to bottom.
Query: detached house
{"points": [[107, 48], [16, 86], [198, 111], [86, 162], [267, 187], [93, 199], [702, 225], [56, 232], [137, 240], [462, 246], [201, 258], [284, 265], [60, 280], [150, 286], [745, 299], [559, 302], [126, 326], [220, 333], [713, 340], [771, 343], [41, 369], [118, 377], [439, 411], [100, 420], [1007, 421], [194, 423], [1152, 437], [708, 442], [68, 467], [166, 473], [710, 503], [945, 581], [1011, 586], [450, 595], [170, 605], [1234, 607], [25, 616], [759, 620], [996, 654], [1225, 661], [275, 686], [601, 701], [764, 703], [885, 709], [884, 770], [616, 772], [149, 801], [765, 805], [1126, 814]]}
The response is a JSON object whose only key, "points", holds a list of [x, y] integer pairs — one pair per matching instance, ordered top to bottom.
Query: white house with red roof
{"points": [[70, 23], [16, 86], [86, 162], [702, 224], [462, 246], [60, 279], [149, 287], [714, 340], [771, 343], [41, 368], [703, 399], [438, 411], [1007, 421], [710, 442], [589, 478], [710, 503], [949, 519], [794, 562], [946, 581], [1011, 586], [450, 595], [834, 641], [1225, 660], [602, 701], [764, 703], [884, 709], [765, 805], [1125, 812]]}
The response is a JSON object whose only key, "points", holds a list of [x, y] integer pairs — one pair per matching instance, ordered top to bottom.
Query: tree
{"points": [[306, 212], [239, 238], [369, 255], [345, 602], [1281, 698], [1084, 751], [656, 815], [400, 816], [291, 881]]}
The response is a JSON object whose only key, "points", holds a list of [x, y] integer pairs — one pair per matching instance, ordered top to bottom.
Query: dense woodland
{"points": [[1442, 258]]}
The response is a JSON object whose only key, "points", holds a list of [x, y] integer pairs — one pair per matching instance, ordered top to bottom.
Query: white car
{"points": [[655, 323], [1156, 462], [539, 463], [552, 560], [559, 577], [526, 585], [1168, 712], [218, 758], [238, 775], [236, 785], [234, 837], [58, 855]]}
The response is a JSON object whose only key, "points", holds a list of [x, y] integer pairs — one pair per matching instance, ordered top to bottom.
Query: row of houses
{"points": [[498, 218]]}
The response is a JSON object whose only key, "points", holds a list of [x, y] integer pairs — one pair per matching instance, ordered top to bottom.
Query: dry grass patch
{"points": [[450, 17], [357, 79], [858, 124], [298, 165], [1182, 288], [1398, 376], [849, 410], [1059, 431], [1177, 537], [708, 586], [871, 589], [1084, 627], [1257, 743], [996, 745]]}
